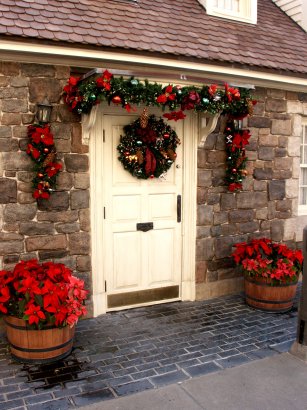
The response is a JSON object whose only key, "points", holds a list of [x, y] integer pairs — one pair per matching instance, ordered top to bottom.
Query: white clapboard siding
{"points": [[296, 9]]}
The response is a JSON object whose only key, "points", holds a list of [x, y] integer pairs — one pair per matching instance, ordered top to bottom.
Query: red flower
{"points": [[104, 80], [73, 81], [212, 89], [232, 93], [167, 96], [190, 100], [175, 115], [42, 135], [240, 139], [34, 152], [53, 169], [234, 186], [41, 192], [280, 265], [28, 286], [34, 289], [49, 290], [60, 313], [34, 314]]}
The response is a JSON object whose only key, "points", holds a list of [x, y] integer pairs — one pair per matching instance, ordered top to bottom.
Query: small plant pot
{"points": [[262, 294], [38, 346]]}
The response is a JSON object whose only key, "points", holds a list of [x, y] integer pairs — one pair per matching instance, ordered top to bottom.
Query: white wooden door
{"points": [[140, 267]]}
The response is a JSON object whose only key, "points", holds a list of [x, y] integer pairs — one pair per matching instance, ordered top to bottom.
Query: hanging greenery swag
{"points": [[235, 103], [42, 150]]}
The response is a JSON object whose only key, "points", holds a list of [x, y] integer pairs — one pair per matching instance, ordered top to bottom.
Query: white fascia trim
{"points": [[52, 54]]}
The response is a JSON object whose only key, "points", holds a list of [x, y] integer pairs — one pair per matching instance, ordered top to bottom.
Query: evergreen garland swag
{"points": [[234, 103], [148, 147], [42, 151]]}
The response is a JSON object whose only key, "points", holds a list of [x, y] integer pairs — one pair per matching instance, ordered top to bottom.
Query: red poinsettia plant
{"points": [[263, 258], [42, 294]]}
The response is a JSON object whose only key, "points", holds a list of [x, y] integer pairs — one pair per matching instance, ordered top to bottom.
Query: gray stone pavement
{"points": [[145, 349]]}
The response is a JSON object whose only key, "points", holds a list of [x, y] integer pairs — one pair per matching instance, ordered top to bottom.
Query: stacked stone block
{"points": [[267, 206], [57, 229]]}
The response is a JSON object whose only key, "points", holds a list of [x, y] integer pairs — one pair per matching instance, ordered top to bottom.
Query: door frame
{"points": [[189, 208]]}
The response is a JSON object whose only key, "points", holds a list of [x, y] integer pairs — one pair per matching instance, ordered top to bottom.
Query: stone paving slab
{"points": [[131, 351]]}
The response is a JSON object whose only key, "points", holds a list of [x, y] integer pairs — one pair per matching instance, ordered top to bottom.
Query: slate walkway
{"points": [[134, 350]]}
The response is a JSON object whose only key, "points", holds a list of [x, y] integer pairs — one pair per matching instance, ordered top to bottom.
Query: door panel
{"points": [[139, 264]]}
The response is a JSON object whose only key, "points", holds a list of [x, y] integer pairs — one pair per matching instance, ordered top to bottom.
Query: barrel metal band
{"points": [[281, 285], [273, 302], [26, 327], [47, 349]]}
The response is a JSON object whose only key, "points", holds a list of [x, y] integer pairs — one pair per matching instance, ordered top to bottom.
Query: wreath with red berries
{"points": [[148, 147]]}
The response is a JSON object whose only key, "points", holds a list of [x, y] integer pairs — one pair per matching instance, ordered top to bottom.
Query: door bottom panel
{"points": [[143, 296]]}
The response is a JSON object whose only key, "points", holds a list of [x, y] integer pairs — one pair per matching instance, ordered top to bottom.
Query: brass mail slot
{"points": [[144, 226]]}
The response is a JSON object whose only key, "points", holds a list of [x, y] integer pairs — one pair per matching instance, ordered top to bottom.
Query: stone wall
{"points": [[268, 204], [57, 229]]}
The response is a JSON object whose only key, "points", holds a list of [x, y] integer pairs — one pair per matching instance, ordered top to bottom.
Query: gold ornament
{"points": [[144, 118], [132, 158]]}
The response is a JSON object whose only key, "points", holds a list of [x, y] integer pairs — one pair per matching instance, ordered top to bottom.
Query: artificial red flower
{"points": [[104, 80], [73, 81], [212, 89], [232, 93], [168, 95], [190, 100], [175, 115], [42, 135], [240, 139], [34, 152], [53, 169], [234, 186], [40, 192]]}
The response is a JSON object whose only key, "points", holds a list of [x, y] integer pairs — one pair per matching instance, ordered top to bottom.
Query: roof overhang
{"points": [[153, 67]]}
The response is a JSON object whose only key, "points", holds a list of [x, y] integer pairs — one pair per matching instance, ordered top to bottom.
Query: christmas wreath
{"points": [[148, 147]]}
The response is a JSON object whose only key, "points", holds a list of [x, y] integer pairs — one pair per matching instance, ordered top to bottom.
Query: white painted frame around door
{"points": [[192, 128]]}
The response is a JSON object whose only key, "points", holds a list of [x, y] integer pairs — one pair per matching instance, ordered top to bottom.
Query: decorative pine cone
{"points": [[144, 118], [140, 157], [49, 158]]}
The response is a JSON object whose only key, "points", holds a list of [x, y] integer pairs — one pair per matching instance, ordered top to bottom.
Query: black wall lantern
{"points": [[43, 112]]}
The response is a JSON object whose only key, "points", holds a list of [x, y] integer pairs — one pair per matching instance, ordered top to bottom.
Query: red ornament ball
{"points": [[116, 99], [166, 135], [46, 150], [126, 153], [234, 170], [40, 175], [152, 176]]}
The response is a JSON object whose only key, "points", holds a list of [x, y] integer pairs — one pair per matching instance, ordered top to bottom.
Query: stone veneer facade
{"points": [[268, 204], [59, 229]]}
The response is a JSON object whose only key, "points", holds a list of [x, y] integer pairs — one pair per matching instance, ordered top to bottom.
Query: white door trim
{"points": [[189, 208]]}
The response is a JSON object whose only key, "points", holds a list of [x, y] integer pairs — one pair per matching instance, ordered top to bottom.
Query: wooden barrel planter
{"points": [[261, 294], [38, 346]]}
